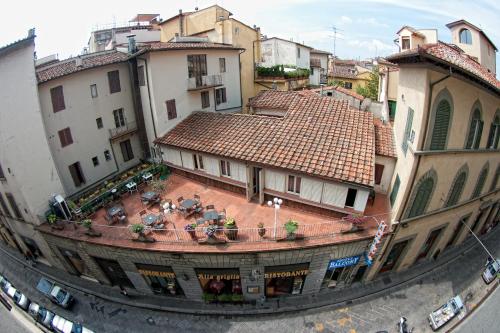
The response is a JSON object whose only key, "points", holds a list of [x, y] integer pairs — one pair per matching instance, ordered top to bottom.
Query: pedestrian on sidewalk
{"points": [[123, 291]]}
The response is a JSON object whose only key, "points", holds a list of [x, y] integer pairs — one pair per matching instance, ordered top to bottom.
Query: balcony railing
{"points": [[201, 82], [129, 127]]}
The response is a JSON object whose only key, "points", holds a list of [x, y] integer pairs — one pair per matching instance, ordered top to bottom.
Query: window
{"points": [[237, 31], [465, 36], [405, 43], [298, 52], [197, 65], [222, 65], [140, 76], [114, 82], [348, 85], [93, 90], [57, 96], [220, 96], [205, 99], [171, 109], [392, 109], [119, 118], [99, 122], [441, 125], [475, 130], [407, 133], [494, 134], [65, 137], [127, 152], [107, 155], [95, 161], [198, 162], [225, 168], [379, 171], [77, 174], [2, 175], [480, 182], [294, 183], [494, 183], [457, 188], [395, 189], [423, 193], [351, 197], [6, 210]]}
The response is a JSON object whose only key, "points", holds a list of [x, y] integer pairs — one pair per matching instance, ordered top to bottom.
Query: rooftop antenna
{"points": [[335, 30]]}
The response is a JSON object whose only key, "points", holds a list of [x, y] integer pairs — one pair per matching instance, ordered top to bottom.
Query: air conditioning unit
{"points": [[60, 206]]}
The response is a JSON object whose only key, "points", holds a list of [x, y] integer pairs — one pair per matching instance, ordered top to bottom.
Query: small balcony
{"points": [[323, 79], [203, 82], [129, 127]]}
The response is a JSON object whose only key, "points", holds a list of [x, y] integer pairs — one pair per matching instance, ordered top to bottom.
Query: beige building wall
{"points": [[80, 116], [389, 163]]}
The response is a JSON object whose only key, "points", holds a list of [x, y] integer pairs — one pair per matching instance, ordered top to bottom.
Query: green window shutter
{"points": [[392, 109], [409, 123], [441, 123], [479, 133], [491, 136], [470, 137], [480, 183], [494, 183], [395, 189], [456, 190], [421, 198]]}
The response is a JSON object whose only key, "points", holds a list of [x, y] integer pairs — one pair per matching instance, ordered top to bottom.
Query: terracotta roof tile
{"points": [[163, 46], [69, 66], [344, 71], [342, 90], [272, 99], [322, 137], [384, 139]]}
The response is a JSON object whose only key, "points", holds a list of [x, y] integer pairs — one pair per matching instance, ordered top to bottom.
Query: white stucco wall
{"points": [[281, 52], [80, 116], [389, 164]]}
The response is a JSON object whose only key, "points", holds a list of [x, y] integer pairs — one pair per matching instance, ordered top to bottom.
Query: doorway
{"points": [[256, 181], [431, 240], [394, 256], [114, 272]]}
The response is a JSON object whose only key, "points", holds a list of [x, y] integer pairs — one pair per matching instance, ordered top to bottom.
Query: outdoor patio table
{"points": [[147, 177], [132, 186], [149, 196], [188, 203], [115, 210], [211, 215], [150, 219]]}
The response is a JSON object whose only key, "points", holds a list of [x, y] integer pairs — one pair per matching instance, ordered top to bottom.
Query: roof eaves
{"points": [[17, 44]]}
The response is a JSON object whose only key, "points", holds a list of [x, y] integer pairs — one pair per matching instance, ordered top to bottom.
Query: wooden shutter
{"points": [[114, 82], [57, 97], [171, 109], [441, 123], [409, 124], [479, 134], [65, 137], [379, 170], [76, 173], [495, 179], [480, 183], [395, 189], [456, 190], [421, 198]]}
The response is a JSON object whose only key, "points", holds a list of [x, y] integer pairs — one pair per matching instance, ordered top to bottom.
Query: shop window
{"points": [[458, 230], [32, 247], [393, 257], [74, 260], [114, 272], [360, 273], [334, 277], [161, 279], [285, 280], [222, 284]]}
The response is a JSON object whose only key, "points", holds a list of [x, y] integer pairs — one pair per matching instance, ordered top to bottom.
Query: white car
{"points": [[491, 271], [22, 301], [41, 314], [62, 325]]}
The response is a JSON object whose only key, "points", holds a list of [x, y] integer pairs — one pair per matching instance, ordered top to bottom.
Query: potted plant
{"points": [[158, 186], [52, 221], [356, 221], [87, 223], [291, 227], [231, 228], [138, 229], [191, 230], [261, 230], [210, 231], [208, 298], [224, 298], [237, 298]]}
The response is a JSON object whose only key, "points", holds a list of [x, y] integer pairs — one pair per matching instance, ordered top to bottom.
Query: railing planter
{"points": [[356, 221], [54, 222], [87, 223], [291, 227], [138, 229], [191, 230], [231, 230], [261, 230]]}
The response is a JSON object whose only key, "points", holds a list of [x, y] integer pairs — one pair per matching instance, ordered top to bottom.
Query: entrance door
{"points": [[256, 180], [428, 244], [394, 255], [114, 272]]}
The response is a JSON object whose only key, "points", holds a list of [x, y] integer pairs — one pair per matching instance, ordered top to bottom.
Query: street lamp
{"points": [[277, 202], [169, 209]]}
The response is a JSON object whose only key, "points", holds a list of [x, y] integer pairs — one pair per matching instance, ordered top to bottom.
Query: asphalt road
{"points": [[485, 318], [8, 323]]}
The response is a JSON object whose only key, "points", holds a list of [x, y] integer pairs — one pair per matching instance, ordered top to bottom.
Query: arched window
{"points": [[465, 36], [441, 125], [475, 130], [494, 133], [480, 182], [494, 183], [457, 187], [423, 193]]}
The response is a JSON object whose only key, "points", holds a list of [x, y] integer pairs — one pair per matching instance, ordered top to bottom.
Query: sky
{"points": [[365, 28]]}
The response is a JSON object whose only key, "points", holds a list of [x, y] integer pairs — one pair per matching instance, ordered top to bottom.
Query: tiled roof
{"points": [[412, 30], [17, 44], [161, 46], [319, 51], [449, 55], [315, 62], [69, 66], [348, 72], [349, 92], [272, 99], [321, 137], [384, 139]]}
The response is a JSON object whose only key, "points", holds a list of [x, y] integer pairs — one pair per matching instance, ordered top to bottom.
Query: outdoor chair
{"points": [[197, 197], [180, 199], [210, 207], [198, 210], [142, 212], [159, 226]]}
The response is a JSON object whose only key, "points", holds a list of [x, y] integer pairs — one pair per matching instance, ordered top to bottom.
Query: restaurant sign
{"points": [[343, 262], [156, 273], [272, 275], [219, 276]]}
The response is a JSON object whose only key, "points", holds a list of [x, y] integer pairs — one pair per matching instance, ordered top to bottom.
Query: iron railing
{"points": [[200, 82], [127, 128]]}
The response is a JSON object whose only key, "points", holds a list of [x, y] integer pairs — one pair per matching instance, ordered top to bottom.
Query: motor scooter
{"points": [[403, 326]]}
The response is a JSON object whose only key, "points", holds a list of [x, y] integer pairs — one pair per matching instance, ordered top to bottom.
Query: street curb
{"points": [[481, 301], [268, 309]]}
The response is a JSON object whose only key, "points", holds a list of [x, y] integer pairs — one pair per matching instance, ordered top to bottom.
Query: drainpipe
{"points": [[239, 67], [149, 96]]}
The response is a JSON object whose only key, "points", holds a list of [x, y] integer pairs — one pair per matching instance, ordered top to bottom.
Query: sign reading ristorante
{"points": [[272, 275]]}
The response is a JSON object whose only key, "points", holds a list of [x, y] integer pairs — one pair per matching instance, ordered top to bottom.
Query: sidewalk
{"points": [[358, 293]]}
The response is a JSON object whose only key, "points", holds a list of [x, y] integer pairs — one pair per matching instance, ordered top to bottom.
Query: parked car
{"points": [[491, 271], [4, 283], [56, 294], [22, 301], [445, 313], [41, 314], [62, 325]]}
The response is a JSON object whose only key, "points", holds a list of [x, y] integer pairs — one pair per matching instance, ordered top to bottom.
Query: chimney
{"points": [[181, 23], [31, 32], [132, 48], [78, 62], [275, 85]]}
